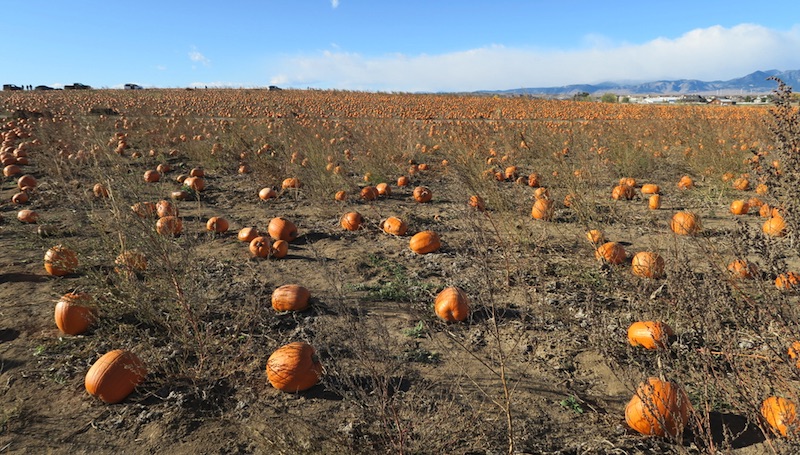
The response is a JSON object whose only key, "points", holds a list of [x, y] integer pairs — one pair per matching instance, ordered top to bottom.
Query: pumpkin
{"points": [[163, 168], [12, 170], [197, 172], [510, 173], [151, 176], [533, 180], [26, 181], [403, 181], [628, 181], [291, 182], [686, 183], [197, 184], [741, 184], [650, 188], [383, 189], [762, 189], [99, 190], [622, 192], [267, 193], [369, 193], [541, 193], [422, 194], [340, 195], [20, 198], [570, 199], [654, 202], [755, 202], [477, 203], [740, 207], [166, 208], [144, 209], [542, 209], [27, 216], [351, 221], [685, 223], [217, 224], [169, 225], [394, 226], [774, 227], [282, 229], [247, 234], [596, 236], [424, 242], [260, 247], [279, 249], [611, 252], [60, 260], [130, 262], [647, 264], [741, 269], [787, 281], [290, 297], [452, 305], [74, 313], [649, 334], [794, 353], [294, 367], [115, 375], [659, 408], [780, 414]]}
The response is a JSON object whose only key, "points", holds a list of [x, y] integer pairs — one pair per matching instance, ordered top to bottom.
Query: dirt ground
{"points": [[538, 349]]}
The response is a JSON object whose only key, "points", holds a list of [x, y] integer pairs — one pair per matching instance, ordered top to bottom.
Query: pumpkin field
{"points": [[332, 272]]}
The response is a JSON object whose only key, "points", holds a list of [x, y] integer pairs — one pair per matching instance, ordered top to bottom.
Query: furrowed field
{"points": [[555, 329]]}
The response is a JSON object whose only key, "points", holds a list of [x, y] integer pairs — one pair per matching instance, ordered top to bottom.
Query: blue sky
{"points": [[384, 45]]}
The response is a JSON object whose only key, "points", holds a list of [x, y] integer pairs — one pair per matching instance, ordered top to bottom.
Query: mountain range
{"points": [[752, 84]]}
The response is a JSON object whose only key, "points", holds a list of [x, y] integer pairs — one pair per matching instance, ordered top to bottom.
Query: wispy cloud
{"points": [[334, 4], [710, 53], [196, 56]]}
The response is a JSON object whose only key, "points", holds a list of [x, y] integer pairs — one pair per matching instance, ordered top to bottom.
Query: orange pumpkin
{"points": [[151, 176], [533, 180], [26, 181], [403, 181], [291, 182], [686, 183], [198, 184], [741, 184], [650, 188], [383, 189], [99, 190], [622, 192], [369, 193], [422, 194], [340, 195], [20, 198], [654, 202], [477, 203], [740, 207], [166, 208], [144, 209], [542, 209], [28, 216], [352, 221], [685, 223], [217, 224], [169, 225], [394, 226], [774, 227], [282, 229], [247, 234], [596, 236], [425, 242], [260, 247], [279, 250], [611, 252], [60, 260], [647, 264], [741, 269], [787, 281], [290, 297], [452, 305], [74, 313], [649, 334], [794, 353], [294, 367], [115, 375], [659, 408], [781, 415]]}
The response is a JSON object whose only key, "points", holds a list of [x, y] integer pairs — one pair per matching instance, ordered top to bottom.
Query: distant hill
{"points": [[753, 83]]}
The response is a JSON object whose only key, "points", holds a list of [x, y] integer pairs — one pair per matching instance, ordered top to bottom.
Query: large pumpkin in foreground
{"points": [[425, 242], [294, 367], [115, 375], [659, 408], [781, 415]]}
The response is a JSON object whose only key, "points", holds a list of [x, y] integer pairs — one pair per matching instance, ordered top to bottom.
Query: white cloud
{"points": [[334, 4], [709, 54], [196, 56]]}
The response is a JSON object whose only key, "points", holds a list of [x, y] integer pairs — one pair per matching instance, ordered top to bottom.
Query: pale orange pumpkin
{"points": [[197, 184], [383, 189], [622, 192], [267, 193], [166, 208], [774, 227], [247, 234], [596, 236], [787, 281]]}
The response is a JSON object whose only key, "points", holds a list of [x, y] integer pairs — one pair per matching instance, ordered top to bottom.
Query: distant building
{"points": [[8, 87], [722, 102]]}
